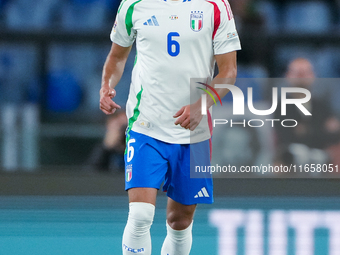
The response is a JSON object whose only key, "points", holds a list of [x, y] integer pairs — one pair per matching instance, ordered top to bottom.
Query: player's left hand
{"points": [[189, 116]]}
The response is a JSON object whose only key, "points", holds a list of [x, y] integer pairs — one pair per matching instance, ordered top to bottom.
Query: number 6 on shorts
{"points": [[130, 150]]}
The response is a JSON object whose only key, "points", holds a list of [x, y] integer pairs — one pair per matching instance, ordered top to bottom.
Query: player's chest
{"points": [[187, 22]]}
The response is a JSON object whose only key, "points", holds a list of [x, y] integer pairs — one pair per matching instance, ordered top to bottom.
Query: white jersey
{"points": [[175, 41]]}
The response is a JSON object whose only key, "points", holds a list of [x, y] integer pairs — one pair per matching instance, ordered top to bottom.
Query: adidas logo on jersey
{"points": [[151, 22], [202, 193]]}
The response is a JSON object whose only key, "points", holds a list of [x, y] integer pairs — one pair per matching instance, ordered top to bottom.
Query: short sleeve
{"points": [[123, 32], [225, 38]]}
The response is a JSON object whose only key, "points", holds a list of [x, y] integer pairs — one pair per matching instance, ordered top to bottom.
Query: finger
{"points": [[105, 98], [111, 103], [106, 104], [116, 105], [104, 107], [110, 110], [106, 112], [179, 113], [181, 119], [185, 123], [187, 126], [193, 126]]}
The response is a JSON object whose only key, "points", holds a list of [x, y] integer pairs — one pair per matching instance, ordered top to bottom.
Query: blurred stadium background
{"points": [[53, 200]]}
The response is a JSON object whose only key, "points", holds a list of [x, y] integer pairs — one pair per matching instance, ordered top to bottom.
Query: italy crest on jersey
{"points": [[196, 20]]}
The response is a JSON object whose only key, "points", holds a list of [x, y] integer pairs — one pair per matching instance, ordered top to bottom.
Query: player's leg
{"points": [[145, 168], [184, 193], [179, 228], [136, 237]]}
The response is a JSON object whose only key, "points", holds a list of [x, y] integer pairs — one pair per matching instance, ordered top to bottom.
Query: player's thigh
{"points": [[145, 165], [180, 185], [143, 195], [179, 216]]}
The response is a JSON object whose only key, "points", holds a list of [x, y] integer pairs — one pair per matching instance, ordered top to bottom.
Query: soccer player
{"points": [[176, 40]]}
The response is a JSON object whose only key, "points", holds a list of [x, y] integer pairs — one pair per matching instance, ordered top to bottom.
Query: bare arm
{"points": [[112, 73], [227, 75]]}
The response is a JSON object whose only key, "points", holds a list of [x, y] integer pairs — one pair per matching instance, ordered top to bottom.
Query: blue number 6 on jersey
{"points": [[173, 52]]}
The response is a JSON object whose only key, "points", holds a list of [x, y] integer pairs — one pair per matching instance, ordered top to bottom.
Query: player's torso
{"points": [[155, 20], [174, 34], [174, 44]]}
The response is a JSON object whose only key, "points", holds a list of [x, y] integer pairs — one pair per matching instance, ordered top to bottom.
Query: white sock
{"points": [[136, 237], [177, 242]]}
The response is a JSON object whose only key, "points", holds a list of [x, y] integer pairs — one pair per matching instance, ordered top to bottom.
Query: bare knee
{"points": [[179, 216], [178, 223]]}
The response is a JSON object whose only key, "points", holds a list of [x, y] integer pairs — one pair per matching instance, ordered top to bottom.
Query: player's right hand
{"points": [[106, 104]]}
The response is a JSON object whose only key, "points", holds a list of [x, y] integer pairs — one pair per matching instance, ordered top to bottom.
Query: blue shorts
{"points": [[149, 162]]}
